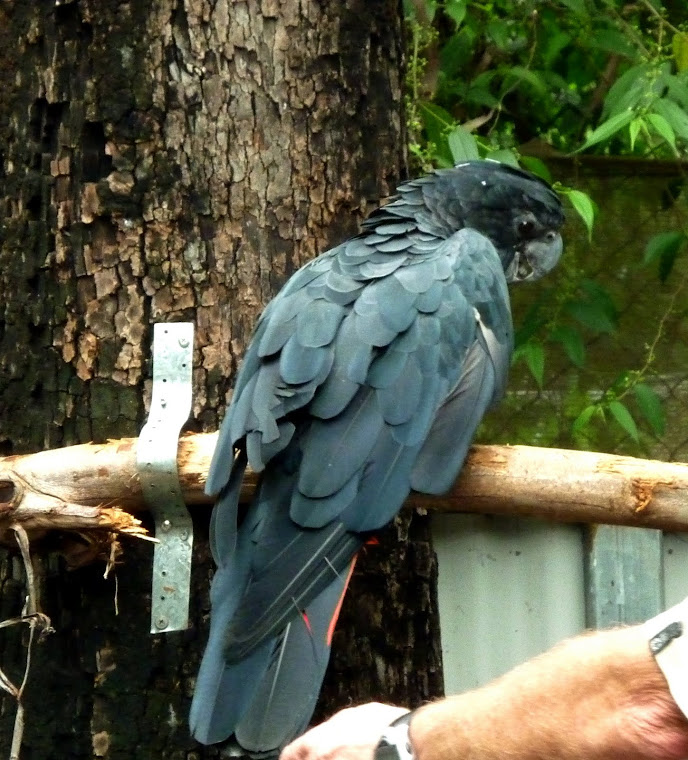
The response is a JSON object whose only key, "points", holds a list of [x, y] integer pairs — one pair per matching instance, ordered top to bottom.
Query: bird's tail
{"points": [[267, 698], [283, 702]]}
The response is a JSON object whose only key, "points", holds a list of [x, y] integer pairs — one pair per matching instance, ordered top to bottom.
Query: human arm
{"points": [[600, 696]]}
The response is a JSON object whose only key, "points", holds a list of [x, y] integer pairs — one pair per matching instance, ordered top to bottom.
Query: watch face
{"points": [[395, 744], [385, 751]]}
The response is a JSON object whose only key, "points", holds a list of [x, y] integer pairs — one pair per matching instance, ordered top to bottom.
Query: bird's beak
{"points": [[536, 258]]}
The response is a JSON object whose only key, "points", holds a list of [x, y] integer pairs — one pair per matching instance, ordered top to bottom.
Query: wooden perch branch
{"points": [[96, 486]]}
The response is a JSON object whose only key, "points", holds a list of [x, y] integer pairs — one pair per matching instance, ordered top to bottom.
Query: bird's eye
{"points": [[526, 227]]}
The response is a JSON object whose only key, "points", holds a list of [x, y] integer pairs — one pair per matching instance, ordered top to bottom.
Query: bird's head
{"points": [[517, 211], [537, 247]]}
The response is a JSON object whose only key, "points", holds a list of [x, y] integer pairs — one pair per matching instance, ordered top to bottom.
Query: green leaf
{"points": [[577, 6], [430, 9], [456, 10], [499, 32], [611, 41], [553, 44], [679, 46], [454, 55], [516, 75], [677, 89], [628, 90], [674, 114], [435, 116], [437, 123], [634, 128], [608, 129], [663, 129], [462, 145], [504, 156], [537, 166], [584, 207], [664, 248], [599, 295], [591, 315], [530, 324], [571, 341], [534, 355], [651, 406], [624, 418], [583, 419]]}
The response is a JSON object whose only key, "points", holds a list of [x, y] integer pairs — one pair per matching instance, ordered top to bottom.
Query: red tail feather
{"points": [[337, 609]]}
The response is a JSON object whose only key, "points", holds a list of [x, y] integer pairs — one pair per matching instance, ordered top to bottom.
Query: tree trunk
{"points": [[165, 161]]}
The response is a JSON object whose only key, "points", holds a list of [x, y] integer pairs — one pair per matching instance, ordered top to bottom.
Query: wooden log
{"points": [[96, 486]]}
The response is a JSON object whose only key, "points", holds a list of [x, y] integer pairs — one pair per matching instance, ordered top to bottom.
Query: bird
{"points": [[365, 377]]}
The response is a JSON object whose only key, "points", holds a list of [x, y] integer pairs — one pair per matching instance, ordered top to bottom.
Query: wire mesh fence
{"points": [[619, 315]]}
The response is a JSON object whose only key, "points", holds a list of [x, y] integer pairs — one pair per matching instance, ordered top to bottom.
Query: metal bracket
{"points": [[156, 456]]}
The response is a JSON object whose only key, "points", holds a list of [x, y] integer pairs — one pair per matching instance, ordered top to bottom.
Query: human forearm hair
{"points": [[599, 696]]}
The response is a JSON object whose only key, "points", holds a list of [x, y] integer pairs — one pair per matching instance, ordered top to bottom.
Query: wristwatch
{"points": [[668, 640], [395, 743]]}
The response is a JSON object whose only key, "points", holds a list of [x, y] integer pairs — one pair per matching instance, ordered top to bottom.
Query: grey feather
{"points": [[395, 228], [375, 239], [395, 245], [357, 249], [371, 270], [417, 278], [340, 283], [395, 304], [317, 324], [371, 330], [276, 335], [407, 341], [352, 358], [299, 363], [387, 367], [400, 400], [238, 419], [413, 432], [335, 449], [445, 449], [261, 451], [385, 485], [313, 512], [224, 520]]}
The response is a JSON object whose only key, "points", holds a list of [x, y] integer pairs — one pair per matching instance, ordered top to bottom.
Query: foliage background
{"points": [[593, 94]]}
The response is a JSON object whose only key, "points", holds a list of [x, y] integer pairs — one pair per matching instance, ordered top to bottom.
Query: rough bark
{"points": [[165, 160], [95, 488]]}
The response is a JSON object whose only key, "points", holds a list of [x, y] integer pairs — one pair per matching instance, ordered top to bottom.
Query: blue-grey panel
{"points": [[675, 567], [624, 575], [508, 589]]}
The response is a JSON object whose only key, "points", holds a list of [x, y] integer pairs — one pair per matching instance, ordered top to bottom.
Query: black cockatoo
{"points": [[366, 376]]}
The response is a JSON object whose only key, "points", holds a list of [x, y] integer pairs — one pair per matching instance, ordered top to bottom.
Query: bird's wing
{"points": [[482, 378], [266, 388], [405, 416], [352, 461], [288, 566]]}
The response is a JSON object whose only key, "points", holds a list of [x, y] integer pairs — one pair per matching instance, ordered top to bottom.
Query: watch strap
{"points": [[668, 640], [394, 743]]}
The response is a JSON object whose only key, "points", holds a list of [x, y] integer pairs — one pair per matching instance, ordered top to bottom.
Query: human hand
{"points": [[350, 734]]}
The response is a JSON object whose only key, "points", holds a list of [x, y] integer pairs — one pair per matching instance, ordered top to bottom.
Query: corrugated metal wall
{"points": [[510, 588]]}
